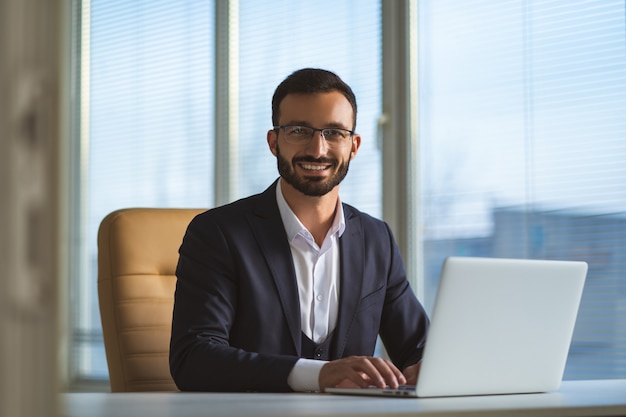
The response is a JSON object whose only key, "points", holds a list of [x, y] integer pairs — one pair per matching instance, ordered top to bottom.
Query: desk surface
{"points": [[575, 398]]}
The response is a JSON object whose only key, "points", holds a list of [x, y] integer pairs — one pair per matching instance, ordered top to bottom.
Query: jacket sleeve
{"points": [[206, 302], [404, 322]]}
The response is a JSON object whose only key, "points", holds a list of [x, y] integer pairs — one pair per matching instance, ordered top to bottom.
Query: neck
{"points": [[315, 213]]}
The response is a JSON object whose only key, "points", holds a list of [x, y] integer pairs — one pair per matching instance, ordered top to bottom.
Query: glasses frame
{"points": [[306, 141]]}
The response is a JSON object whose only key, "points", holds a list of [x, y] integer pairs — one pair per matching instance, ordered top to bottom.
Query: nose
{"points": [[318, 144]]}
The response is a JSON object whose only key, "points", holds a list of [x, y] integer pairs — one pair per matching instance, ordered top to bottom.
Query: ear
{"points": [[272, 139], [356, 144]]}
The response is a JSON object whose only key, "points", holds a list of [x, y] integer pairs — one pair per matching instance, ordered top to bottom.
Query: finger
{"points": [[346, 369], [375, 370], [381, 372], [398, 374], [391, 375], [357, 380], [346, 383]]}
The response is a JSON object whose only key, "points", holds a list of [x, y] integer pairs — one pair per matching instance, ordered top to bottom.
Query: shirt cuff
{"points": [[305, 375]]}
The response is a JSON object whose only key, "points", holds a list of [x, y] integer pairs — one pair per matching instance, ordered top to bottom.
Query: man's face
{"points": [[317, 167]]}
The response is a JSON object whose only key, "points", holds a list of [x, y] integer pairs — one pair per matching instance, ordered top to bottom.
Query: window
{"points": [[522, 138]]}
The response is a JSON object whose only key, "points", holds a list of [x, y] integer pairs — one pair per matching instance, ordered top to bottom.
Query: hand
{"points": [[360, 372], [412, 372]]}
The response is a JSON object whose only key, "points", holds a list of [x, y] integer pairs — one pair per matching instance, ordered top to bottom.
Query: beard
{"points": [[311, 186]]}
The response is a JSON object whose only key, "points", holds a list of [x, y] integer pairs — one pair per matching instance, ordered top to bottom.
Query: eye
{"points": [[298, 131], [335, 134]]}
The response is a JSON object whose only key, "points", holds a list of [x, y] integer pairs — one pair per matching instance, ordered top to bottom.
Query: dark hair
{"points": [[311, 81]]}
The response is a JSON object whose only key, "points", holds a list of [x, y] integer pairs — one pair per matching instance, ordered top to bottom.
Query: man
{"points": [[288, 290]]}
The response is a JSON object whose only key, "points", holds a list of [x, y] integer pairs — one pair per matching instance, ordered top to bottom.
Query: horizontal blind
{"points": [[150, 139], [523, 142]]}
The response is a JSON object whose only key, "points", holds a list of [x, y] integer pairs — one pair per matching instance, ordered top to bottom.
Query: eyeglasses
{"points": [[302, 135]]}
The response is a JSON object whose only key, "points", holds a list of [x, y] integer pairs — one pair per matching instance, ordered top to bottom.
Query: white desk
{"points": [[575, 398]]}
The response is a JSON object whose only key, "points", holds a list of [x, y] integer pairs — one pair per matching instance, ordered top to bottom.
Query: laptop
{"points": [[498, 326]]}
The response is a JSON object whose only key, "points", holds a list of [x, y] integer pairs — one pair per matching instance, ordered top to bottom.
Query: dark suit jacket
{"points": [[236, 321]]}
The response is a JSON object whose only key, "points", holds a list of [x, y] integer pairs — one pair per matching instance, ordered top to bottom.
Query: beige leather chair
{"points": [[137, 257]]}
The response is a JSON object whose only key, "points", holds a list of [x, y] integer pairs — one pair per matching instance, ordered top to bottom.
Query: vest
{"points": [[311, 350]]}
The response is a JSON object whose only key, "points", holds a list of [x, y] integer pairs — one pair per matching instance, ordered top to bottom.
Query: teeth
{"points": [[314, 167]]}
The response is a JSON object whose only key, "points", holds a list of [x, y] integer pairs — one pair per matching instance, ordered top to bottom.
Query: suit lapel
{"points": [[269, 231], [351, 278]]}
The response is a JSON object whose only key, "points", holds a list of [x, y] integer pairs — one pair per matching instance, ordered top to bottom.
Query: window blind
{"points": [[151, 129], [523, 138]]}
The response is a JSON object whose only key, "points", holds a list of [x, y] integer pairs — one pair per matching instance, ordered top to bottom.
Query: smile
{"points": [[314, 167]]}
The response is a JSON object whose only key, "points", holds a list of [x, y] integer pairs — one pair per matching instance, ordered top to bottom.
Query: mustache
{"points": [[314, 160]]}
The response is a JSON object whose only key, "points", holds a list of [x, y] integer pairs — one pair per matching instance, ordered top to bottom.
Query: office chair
{"points": [[137, 257]]}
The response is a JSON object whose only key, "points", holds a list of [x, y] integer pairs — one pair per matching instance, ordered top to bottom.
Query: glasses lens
{"points": [[298, 131], [335, 135]]}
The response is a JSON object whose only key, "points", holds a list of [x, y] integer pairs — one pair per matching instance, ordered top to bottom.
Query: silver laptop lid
{"points": [[501, 326]]}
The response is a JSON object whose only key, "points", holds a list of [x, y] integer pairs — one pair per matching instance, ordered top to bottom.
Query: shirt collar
{"points": [[293, 225]]}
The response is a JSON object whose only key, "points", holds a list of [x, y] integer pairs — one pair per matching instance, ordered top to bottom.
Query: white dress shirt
{"points": [[317, 273]]}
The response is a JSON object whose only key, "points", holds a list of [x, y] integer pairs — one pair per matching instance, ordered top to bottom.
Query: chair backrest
{"points": [[137, 257]]}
